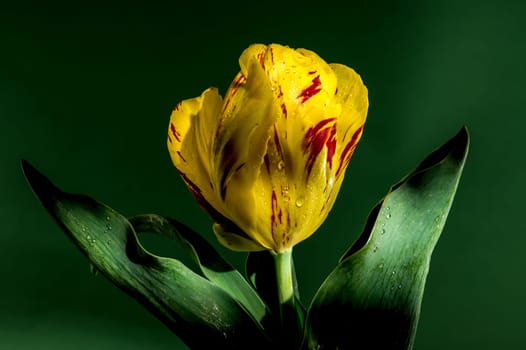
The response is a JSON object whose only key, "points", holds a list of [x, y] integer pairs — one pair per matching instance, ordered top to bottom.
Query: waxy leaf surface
{"points": [[372, 298]]}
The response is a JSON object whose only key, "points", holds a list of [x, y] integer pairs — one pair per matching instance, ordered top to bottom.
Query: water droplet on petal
{"points": [[281, 165], [300, 201], [388, 215], [382, 232]]}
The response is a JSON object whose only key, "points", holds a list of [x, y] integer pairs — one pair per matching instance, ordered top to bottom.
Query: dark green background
{"points": [[86, 92]]}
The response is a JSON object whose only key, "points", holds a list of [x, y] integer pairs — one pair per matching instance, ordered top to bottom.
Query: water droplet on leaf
{"points": [[94, 271]]}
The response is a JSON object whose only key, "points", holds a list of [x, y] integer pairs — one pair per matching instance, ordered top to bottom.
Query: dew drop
{"points": [[281, 165], [299, 202], [388, 215], [107, 218], [437, 219], [108, 227], [83, 229], [382, 232], [375, 249], [381, 266], [94, 271], [393, 273], [399, 286]]}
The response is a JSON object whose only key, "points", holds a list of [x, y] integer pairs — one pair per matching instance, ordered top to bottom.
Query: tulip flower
{"points": [[268, 160]]}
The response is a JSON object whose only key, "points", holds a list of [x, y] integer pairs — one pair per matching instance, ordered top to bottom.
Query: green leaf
{"points": [[212, 265], [372, 298], [202, 314]]}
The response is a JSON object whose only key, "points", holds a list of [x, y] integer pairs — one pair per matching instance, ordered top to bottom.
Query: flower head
{"points": [[268, 160]]}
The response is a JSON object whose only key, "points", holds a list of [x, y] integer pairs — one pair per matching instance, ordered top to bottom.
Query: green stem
{"points": [[283, 264], [290, 312]]}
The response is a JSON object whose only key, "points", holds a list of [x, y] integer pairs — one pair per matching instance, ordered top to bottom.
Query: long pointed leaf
{"points": [[212, 265], [372, 299], [200, 313]]}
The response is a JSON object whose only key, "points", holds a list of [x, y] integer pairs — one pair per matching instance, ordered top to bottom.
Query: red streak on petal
{"points": [[261, 59], [312, 72], [233, 90], [311, 90], [284, 109], [175, 133], [321, 135], [170, 139], [278, 144], [331, 146], [348, 151], [181, 156], [267, 163], [197, 194], [274, 205]]}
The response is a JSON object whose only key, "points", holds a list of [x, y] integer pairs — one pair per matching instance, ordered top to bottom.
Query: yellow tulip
{"points": [[268, 160]]}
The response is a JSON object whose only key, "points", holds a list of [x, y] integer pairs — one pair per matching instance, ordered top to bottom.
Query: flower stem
{"points": [[283, 264], [290, 311]]}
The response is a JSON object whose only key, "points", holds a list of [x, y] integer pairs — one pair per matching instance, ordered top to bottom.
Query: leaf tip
{"points": [[41, 186]]}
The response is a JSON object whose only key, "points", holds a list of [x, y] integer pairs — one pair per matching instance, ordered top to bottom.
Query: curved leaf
{"points": [[213, 266], [372, 298], [199, 312]]}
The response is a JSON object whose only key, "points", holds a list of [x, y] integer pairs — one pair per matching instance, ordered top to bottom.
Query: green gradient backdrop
{"points": [[86, 92]]}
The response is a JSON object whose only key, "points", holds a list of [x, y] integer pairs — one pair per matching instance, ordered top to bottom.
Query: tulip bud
{"points": [[268, 161]]}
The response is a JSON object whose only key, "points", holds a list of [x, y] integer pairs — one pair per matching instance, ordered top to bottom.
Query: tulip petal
{"points": [[352, 94], [192, 126], [241, 143], [301, 147], [235, 241]]}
